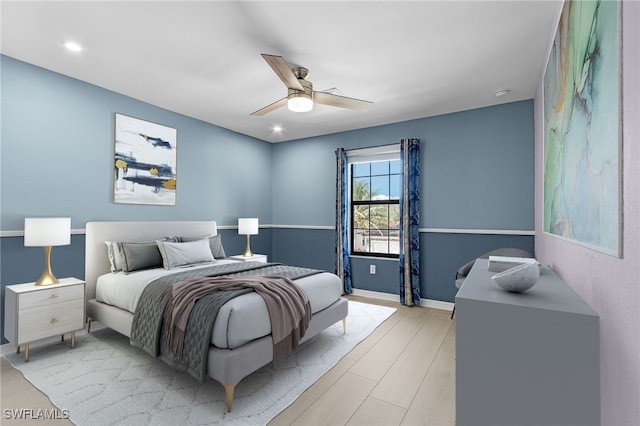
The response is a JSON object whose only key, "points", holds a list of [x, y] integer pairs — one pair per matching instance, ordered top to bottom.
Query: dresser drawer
{"points": [[51, 296], [57, 318]]}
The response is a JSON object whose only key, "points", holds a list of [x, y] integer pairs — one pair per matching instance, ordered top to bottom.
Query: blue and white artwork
{"points": [[145, 162]]}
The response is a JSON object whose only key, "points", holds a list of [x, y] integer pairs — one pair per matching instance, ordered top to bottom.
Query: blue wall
{"points": [[58, 148], [57, 152], [57, 160], [477, 169], [477, 174]]}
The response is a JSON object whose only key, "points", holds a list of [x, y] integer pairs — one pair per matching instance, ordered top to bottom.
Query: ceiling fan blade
{"points": [[281, 68], [341, 101], [277, 104]]}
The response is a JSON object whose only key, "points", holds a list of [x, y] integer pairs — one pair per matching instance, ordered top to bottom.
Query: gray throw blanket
{"points": [[288, 306], [147, 326]]}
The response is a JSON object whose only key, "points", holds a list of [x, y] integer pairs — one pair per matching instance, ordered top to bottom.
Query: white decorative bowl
{"points": [[519, 278]]}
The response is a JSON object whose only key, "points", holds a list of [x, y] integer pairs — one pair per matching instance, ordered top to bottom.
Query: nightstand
{"points": [[255, 258], [36, 312]]}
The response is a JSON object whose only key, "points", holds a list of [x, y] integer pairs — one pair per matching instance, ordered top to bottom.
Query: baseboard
{"points": [[376, 295], [428, 303], [437, 304]]}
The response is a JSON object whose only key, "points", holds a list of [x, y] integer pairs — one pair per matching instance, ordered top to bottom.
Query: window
{"points": [[375, 207]]}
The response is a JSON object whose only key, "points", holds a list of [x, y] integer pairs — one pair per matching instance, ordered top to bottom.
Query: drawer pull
{"points": [[53, 296], [53, 321]]}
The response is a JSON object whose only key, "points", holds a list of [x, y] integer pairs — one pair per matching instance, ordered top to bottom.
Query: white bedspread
{"points": [[239, 321]]}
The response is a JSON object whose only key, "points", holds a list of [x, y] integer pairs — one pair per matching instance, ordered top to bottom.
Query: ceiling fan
{"points": [[301, 96]]}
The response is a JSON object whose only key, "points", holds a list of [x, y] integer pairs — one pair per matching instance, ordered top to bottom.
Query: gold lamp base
{"points": [[247, 252], [47, 277]]}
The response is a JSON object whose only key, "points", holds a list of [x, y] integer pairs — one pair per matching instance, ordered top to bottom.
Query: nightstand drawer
{"points": [[50, 296], [58, 318]]}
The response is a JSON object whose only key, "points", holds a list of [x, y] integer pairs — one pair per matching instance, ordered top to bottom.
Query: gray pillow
{"points": [[215, 243], [182, 254], [136, 256]]}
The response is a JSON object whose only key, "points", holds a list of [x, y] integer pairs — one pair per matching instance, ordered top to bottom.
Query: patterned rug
{"points": [[105, 381]]}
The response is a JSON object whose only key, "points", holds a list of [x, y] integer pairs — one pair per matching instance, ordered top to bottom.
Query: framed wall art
{"points": [[144, 163], [582, 193]]}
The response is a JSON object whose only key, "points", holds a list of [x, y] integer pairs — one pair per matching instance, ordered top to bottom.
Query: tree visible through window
{"points": [[375, 208]]}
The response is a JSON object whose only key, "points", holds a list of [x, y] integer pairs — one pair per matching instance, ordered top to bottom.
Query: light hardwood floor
{"points": [[402, 374]]}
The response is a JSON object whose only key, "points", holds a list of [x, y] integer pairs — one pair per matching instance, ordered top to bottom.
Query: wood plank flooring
{"points": [[402, 374], [16, 393]]}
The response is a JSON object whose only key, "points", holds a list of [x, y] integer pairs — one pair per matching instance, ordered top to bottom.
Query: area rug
{"points": [[106, 381]]}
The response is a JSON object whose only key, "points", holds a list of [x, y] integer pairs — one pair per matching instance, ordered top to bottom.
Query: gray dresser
{"points": [[528, 358]]}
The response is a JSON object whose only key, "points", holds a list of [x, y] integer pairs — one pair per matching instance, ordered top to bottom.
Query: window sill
{"points": [[395, 259]]}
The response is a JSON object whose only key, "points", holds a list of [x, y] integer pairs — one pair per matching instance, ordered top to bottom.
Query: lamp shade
{"points": [[247, 226], [49, 231]]}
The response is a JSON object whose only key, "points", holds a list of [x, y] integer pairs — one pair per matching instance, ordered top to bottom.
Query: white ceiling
{"points": [[202, 59]]}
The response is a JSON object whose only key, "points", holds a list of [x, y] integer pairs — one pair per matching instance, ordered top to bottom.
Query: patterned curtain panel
{"points": [[410, 223], [343, 266]]}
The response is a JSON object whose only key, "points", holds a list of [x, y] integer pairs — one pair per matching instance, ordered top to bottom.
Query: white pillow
{"points": [[215, 242], [182, 254], [115, 255]]}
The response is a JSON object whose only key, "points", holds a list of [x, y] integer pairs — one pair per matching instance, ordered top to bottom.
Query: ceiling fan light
{"points": [[300, 102]]}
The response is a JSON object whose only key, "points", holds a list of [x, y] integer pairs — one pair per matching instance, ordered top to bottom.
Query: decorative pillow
{"points": [[215, 242], [187, 253], [115, 255], [136, 256], [118, 259]]}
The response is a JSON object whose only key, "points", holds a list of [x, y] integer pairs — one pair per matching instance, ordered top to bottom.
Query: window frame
{"points": [[377, 154]]}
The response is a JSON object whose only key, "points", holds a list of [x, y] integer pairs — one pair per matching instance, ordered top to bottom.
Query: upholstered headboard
{"points": [[96, 258]]}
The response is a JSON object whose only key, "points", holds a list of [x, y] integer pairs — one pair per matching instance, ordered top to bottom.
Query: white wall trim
{"points": [[236, 226], [326, 227], [424, 230], [82, 231], [477, 231], [20, 233], [12, 234], [376, 295], [427, 303], [437, 304]]}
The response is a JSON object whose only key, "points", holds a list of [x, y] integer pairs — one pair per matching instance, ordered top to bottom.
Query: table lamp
{"points": [[248, 227], [47, 232]]}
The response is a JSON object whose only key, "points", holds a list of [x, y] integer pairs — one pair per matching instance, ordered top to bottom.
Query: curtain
{"points": [[410, 223], [343, 265]]}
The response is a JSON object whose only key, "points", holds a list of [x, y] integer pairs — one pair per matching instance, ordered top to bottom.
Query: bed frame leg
{"points": [[344, 325], [89, 326], [229, 388]]}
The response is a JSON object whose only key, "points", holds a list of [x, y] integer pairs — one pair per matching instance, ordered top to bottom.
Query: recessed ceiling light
{"points": [[74, 47], [502, 92], [277, 129]]}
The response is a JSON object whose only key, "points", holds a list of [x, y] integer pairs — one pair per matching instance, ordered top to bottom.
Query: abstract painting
{"points": [[582, 128], [145, 162]]}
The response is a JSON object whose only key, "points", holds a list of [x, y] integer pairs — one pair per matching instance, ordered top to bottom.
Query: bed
{"points": [[236, 349]]}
